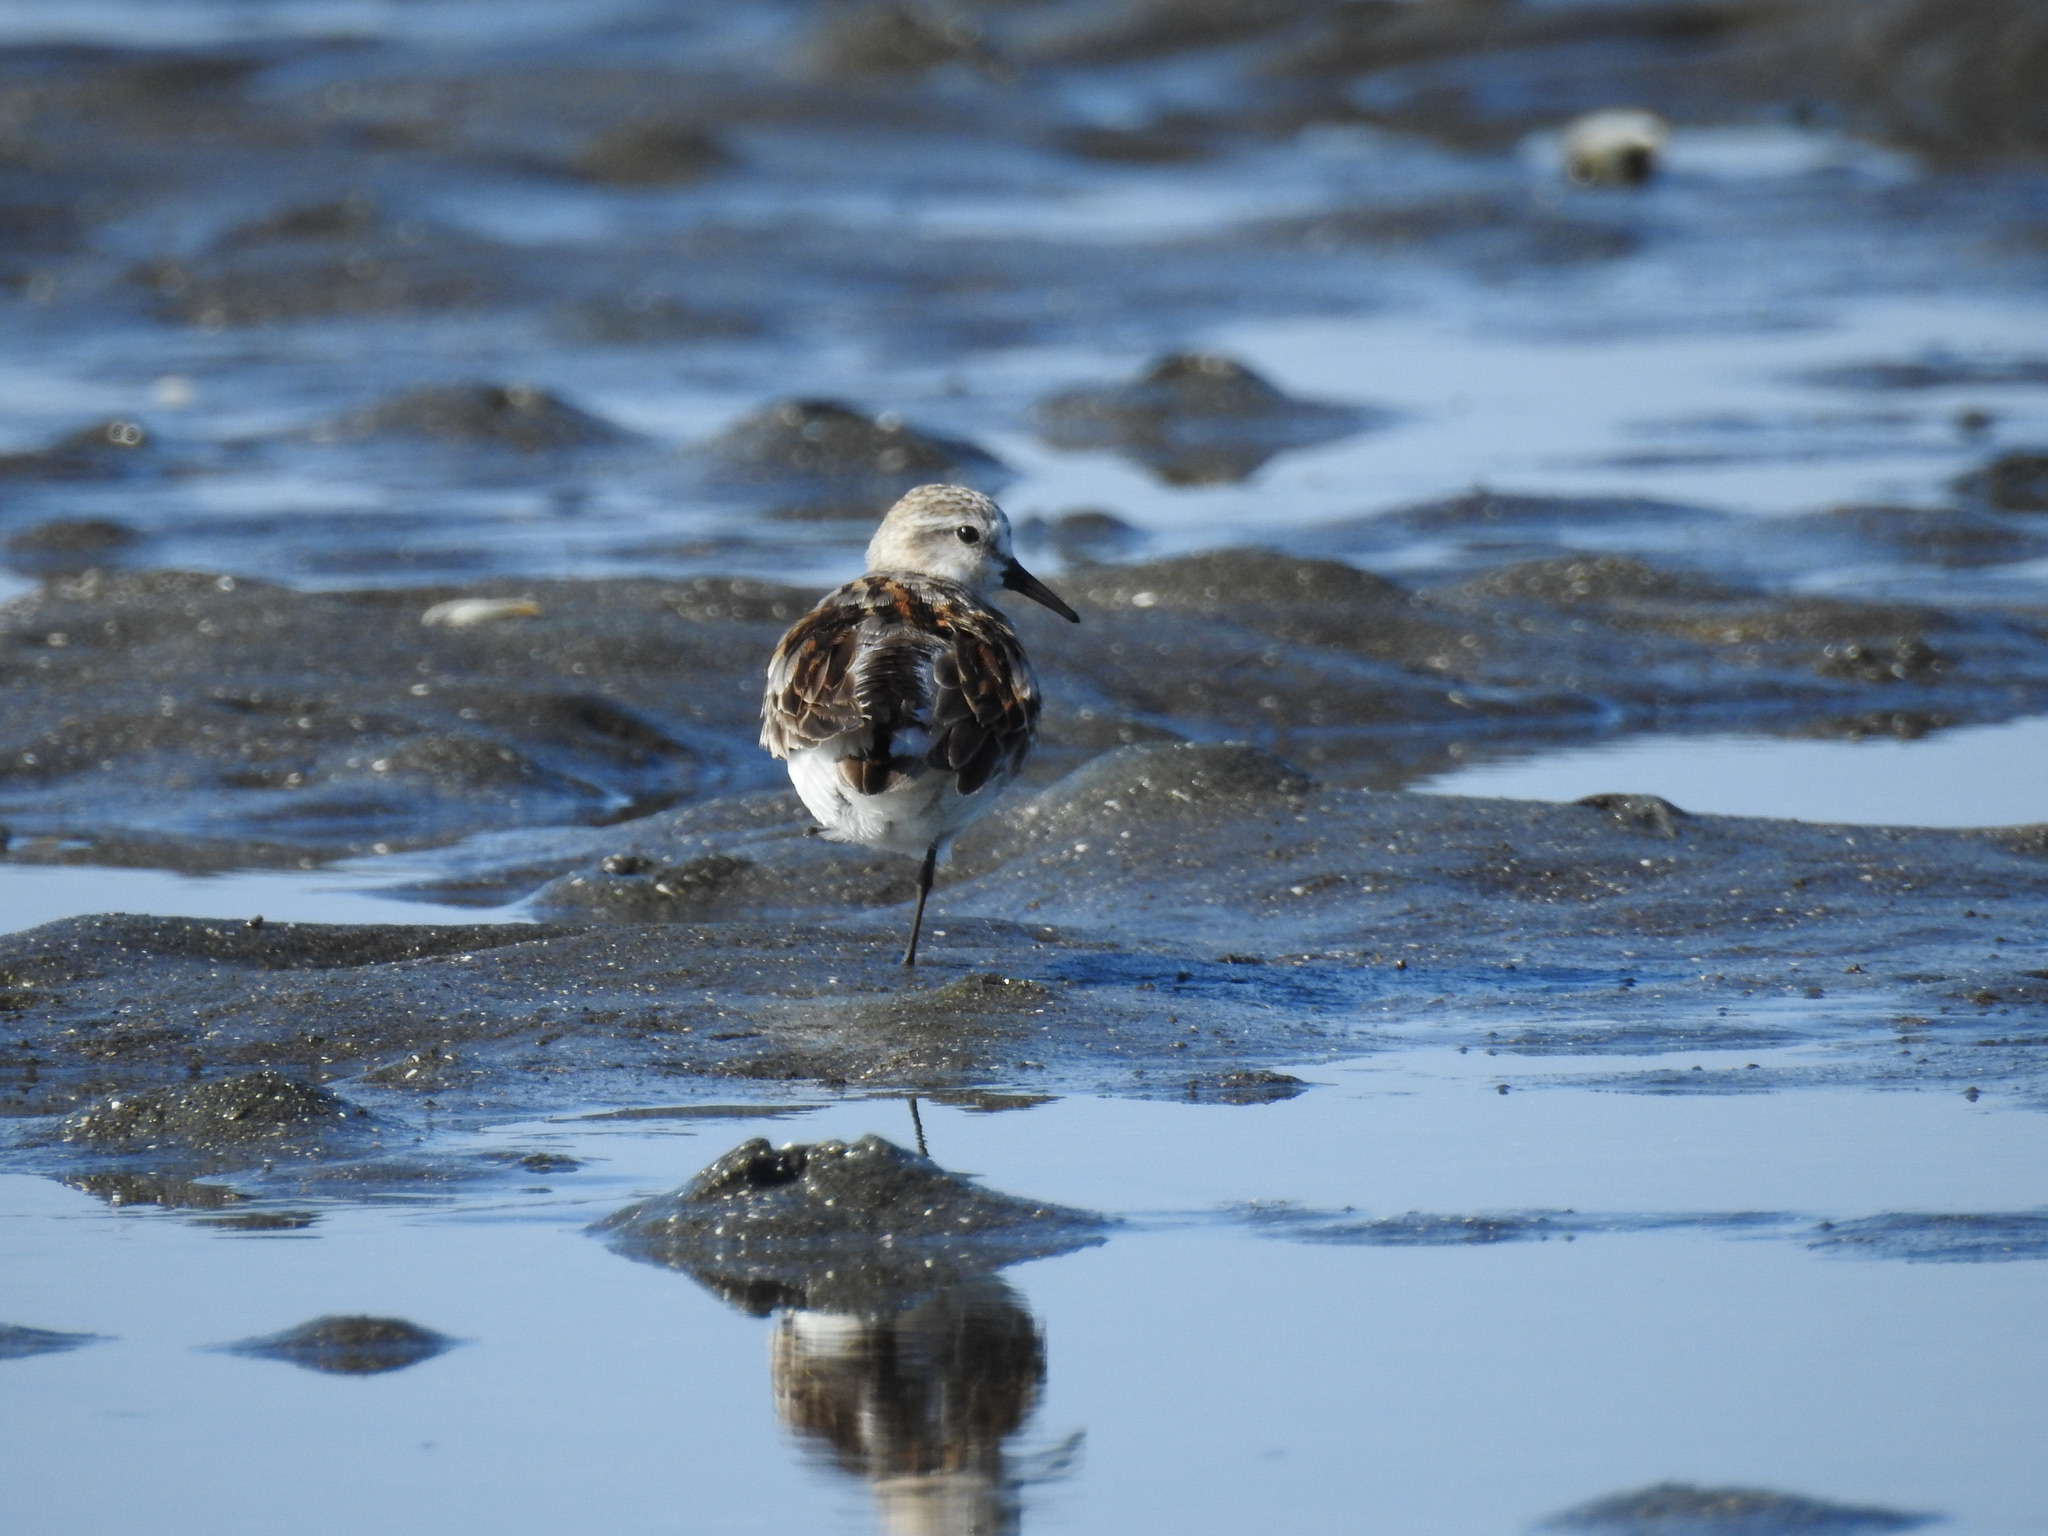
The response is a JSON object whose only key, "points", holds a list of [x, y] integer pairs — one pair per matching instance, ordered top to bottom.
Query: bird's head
{"points": [[957, 535]]}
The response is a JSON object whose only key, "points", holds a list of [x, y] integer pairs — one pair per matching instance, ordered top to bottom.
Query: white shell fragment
{"points": [[1619, 147], [461, 612]]}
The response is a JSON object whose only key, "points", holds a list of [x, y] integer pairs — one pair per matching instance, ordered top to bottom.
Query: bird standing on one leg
{"points": [[903, 702]]}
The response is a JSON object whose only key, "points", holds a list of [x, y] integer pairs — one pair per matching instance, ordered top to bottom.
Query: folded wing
{"points": [[905, 677]]}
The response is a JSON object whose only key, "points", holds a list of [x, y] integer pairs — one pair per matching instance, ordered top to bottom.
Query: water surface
{"points": [[1216, 1371]]}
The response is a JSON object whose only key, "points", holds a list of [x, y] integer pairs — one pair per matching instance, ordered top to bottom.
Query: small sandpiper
{"points": [[903, 702]]}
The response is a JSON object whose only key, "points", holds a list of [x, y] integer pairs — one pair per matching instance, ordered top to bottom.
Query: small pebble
{"points": [[1615, 148], [462, 612]]}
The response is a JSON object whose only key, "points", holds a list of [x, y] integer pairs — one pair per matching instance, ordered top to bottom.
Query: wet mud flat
{"points": [[195, 721], [1199, 895], [1188, 922]]}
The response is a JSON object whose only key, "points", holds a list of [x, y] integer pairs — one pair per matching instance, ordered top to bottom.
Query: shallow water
{"points": [[1981, 776], [33, 894], [1217, 1374]]}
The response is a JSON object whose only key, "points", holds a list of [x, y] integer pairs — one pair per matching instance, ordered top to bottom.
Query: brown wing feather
{"points": [[884, 655], [808, 698], [986, 705]]}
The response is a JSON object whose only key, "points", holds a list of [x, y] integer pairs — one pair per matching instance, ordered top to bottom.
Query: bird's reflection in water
{"points": [[898, 1352], [918, 1401]]}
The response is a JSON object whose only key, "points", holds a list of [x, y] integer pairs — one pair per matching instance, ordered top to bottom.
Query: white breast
{"points": [[907, 819]]}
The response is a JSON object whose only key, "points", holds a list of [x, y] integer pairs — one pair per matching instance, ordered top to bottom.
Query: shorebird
{"points": [[903, 703]]}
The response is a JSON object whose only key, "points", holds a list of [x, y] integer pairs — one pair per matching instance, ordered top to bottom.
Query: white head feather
{"points": [[946, 531]]}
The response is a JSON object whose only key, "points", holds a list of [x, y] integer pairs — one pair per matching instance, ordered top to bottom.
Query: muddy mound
{"points": [[1111, 34], [885, 40], [1540, 64], [1937, 75], [1947, 77], [1959, 79], [1162, 143], [653, 153], [343, 218], [30, 229], [1492, 234], [357, 255], [307, 276], [656, 319], [1933, 370], [516, 416], [1194, 419], [106, 451], [821, 459], [2017, 482], [1498, 511], [1486, 527], [1082, 537], [1950, 537], [67, 545], [1608, 580], [1242, 581], [1317, 606], [1825, 638], [1253, 640], [204, 709], [175, 717], [182, 718], [1182, 777], [1188, 784], [1649, 814], [718, 861], [648, 891], [1116, 938], [216, 946], [301, 1016], [928, 1038], [1256, 1087], [256, 1109], [839, 1226], [1416, 1229], [1939, 1238], [19, 1343], [348, 1346], [1681, 1509]]}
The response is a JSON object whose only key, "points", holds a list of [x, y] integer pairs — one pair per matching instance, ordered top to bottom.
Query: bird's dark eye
{"points": [[969, 535]]}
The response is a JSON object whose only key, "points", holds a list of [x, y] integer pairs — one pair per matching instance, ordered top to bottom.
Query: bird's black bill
{"points": [[1017, 579]]}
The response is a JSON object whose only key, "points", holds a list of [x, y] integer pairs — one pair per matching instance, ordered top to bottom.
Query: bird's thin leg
{"points": [[924, 889], [917, 1124]]}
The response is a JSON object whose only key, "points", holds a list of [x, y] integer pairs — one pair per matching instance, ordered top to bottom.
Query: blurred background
{"points": [[340, 292], [347, 295]]}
